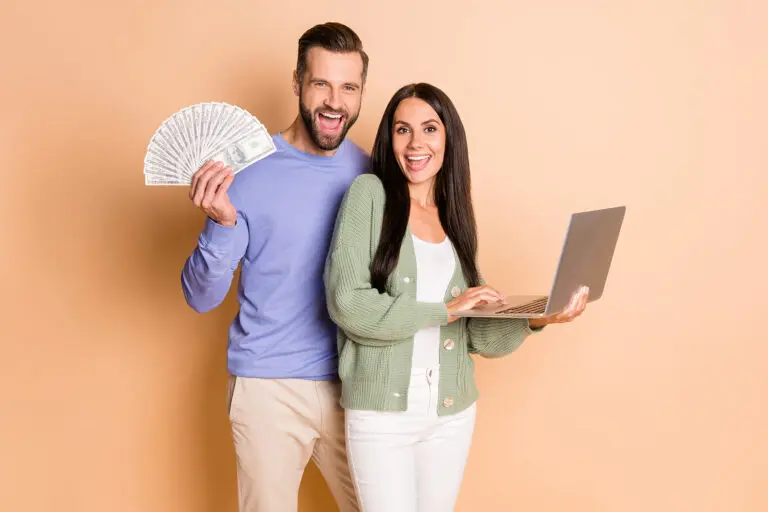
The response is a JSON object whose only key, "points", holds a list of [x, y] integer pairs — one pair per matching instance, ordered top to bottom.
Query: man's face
{"points": [[330, 94]]}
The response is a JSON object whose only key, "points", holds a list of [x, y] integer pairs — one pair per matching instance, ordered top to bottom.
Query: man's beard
{"points": [[322, 141]]}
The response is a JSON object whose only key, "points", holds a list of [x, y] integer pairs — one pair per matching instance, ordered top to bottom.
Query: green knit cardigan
{"points": [[376, 330]]}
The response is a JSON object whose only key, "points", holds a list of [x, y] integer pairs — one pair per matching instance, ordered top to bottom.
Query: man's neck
{"points": [[297, 136]]}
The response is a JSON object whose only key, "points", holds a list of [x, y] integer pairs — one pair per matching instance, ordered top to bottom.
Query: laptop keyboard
{"points": [[536, 306]]}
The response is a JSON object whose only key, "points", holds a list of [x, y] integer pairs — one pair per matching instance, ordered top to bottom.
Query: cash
{"points": [[198, 133], [243, 153]]}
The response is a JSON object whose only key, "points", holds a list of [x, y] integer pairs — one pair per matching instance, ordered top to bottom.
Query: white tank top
{"points": [[435, 264]]}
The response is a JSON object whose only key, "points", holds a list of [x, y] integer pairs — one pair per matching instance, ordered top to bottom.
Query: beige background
{"points": [[112, 390]]}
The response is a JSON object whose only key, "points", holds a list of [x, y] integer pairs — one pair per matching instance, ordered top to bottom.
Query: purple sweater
{"points": [[286, 210]]}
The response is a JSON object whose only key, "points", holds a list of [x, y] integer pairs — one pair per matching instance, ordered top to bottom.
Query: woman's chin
{"points": [[417, 178]]}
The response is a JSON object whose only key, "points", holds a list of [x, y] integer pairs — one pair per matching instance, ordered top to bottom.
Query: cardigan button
{"points": [[407, 279], [455, 291], [449, 344], [448, 402]]}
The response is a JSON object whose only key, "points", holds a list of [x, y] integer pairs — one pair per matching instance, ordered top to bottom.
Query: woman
{"points": [[401, 264]]}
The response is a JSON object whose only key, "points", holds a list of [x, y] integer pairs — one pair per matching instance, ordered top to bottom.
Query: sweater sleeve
{"points": [[207, 273], [366, 315], [491, 337], [497, 337]]}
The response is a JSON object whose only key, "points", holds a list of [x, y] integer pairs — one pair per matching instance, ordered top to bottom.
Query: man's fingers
{"points": [[198, 174], [226, 183], [202, 184], [212, 187], [221, 192]]}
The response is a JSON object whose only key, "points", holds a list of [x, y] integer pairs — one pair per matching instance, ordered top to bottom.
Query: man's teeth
{"points": [[331, 116], [418, 158]]}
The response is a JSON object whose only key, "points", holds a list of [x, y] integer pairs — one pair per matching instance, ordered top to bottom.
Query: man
{"points": [[276, 218]]}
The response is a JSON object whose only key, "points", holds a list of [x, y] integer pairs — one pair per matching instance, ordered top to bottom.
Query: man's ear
{"points": [[296, 83]]}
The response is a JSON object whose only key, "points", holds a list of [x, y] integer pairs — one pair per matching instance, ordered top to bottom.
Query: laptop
{"points": [[585, 259]]}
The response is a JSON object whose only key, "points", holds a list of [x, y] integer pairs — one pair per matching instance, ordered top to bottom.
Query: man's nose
{"points": [[333, 99]]}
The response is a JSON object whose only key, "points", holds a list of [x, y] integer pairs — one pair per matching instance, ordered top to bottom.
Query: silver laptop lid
{"points": [[586, 255]]}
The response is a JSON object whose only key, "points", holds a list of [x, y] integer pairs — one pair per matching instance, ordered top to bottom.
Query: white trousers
{"points": [[409, 461]]}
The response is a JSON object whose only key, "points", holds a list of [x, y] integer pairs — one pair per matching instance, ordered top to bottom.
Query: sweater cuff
{"points": [[216, 236], [433, 314]]}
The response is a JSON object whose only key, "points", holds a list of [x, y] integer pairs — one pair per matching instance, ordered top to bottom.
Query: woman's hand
{"points": [[472, 297], [575, 308]]}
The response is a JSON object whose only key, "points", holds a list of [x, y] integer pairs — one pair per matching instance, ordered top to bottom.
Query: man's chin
{"points": [[329, 142]]}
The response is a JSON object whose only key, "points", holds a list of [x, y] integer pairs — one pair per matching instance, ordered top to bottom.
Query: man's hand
{"points": [[209, 192], [575, 308]]}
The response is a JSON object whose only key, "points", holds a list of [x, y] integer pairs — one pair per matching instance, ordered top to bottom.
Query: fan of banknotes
{"points": [[198, 133]]}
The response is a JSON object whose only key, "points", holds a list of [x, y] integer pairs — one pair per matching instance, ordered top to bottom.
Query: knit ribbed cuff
{"points": [[216, 236], [431, 315]]}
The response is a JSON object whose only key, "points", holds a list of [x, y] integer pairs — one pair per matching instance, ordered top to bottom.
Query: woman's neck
{"points": [[423, 193]]}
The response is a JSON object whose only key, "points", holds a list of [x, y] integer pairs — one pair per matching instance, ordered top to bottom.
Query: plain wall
{"points": [[112, 390]]}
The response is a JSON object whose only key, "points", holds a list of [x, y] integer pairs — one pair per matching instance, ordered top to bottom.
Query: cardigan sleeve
{"points": [[366, 315], [490, 337], [497, 337]]}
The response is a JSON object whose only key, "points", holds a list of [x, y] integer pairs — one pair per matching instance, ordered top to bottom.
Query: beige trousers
{"points": [[278, 425]]}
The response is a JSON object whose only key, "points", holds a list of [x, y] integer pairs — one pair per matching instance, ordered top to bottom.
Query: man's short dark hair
{"points": [[334, 37]]}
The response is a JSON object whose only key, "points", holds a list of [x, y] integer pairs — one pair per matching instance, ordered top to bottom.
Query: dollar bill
{"points": [[245, 152]]}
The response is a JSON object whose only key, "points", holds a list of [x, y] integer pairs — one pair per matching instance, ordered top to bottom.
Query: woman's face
{"points": [[418, 140]]}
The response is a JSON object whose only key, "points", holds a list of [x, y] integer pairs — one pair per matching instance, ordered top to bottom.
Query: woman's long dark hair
{"points": [[452, 188]]}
